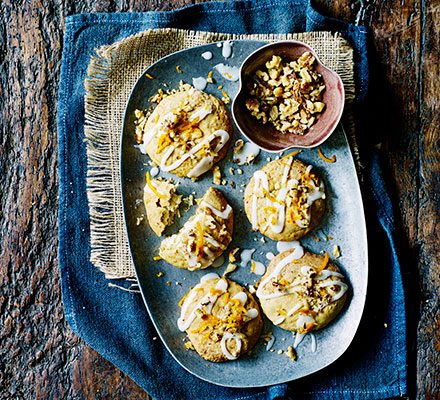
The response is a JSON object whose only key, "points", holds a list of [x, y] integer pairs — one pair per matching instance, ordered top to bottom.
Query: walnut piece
{"points": [[287, 94]]}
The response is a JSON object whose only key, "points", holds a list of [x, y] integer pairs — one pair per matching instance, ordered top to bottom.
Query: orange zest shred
{"points": [[149, 76], [163, 142], [292, 154], [326, 159], [153, 189], [272, 198], [270, 209], [200, 240], [323, 264], [253, 265], [182, 300], [306, 311], [282, 312], [310, 326]]}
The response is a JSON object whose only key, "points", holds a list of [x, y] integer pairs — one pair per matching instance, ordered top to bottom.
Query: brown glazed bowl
{"points": [[265, 135]]}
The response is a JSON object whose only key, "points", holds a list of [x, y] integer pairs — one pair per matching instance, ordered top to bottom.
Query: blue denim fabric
{"points": [[116, 324]]}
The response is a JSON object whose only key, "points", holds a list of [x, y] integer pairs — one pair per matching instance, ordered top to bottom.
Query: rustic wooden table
{"points": [[40, 356]]}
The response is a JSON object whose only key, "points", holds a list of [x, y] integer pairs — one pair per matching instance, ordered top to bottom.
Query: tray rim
{"points": [[136, 268]]}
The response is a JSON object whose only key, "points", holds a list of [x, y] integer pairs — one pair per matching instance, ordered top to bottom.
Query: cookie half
{"points": [[285, 200], [161, 204], [204, 237], [302, 291], [221, 318]]}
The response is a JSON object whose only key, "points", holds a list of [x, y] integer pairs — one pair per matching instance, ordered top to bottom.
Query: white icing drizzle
{"points": [[219, 44], [227, 49], [207, 55], [228, 72], [199, 83], [200, 113], [151, 133], [224, 137], [141, 148], [249, 150], [204, 165], [286, 171], [154, 172], [260, 179], [147, 189], [318, 192], [315, 195], [280, 207], [281, 211], [221, 214], [301, 223], [214, 242], [293, 245], [210, 254], [295, 255], [270, 256], [246, 257], [192, 258], [259, 268], [308, 271], [327, 273], [208, 277], [222, 285], [290, 290], [341, 292], [242, 297], [208, 300], [294, 309], [252, 313], [279, 320], [304, 320], [313, 338], [298, 339], [238, 343], [270, 343]]}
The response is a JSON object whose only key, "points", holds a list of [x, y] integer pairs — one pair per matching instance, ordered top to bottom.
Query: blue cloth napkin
{"points": [[116, 324]]}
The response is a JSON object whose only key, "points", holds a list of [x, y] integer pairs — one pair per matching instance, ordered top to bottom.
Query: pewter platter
{"points": [[344, 221]]}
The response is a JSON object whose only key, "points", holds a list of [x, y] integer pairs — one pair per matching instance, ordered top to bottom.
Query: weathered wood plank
{"points": [[428, 340], [40, 356]]}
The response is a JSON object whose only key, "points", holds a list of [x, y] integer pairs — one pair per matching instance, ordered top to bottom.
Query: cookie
{"points": [[187, 133], [284, 200], [161, 203], [204, 237], [302, 291], [221, 318]]}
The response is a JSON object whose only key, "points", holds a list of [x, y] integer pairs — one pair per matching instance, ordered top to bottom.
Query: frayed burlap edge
{"points": [[111, 74]]}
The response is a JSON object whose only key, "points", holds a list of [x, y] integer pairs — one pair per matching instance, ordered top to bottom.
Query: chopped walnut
{"points": [[287, 94], [216, 175]]}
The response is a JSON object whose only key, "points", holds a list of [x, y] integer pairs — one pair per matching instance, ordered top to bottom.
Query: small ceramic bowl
{"points": [[265, 135]]}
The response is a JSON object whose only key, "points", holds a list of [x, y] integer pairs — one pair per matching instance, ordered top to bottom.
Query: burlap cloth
{"points": [[110, 78]]}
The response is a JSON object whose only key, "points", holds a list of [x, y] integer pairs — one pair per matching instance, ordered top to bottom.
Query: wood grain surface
{"points": [[40, 357]]}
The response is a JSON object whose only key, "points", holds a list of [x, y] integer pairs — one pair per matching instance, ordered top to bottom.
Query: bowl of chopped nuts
{"points": [[287, 97]]}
